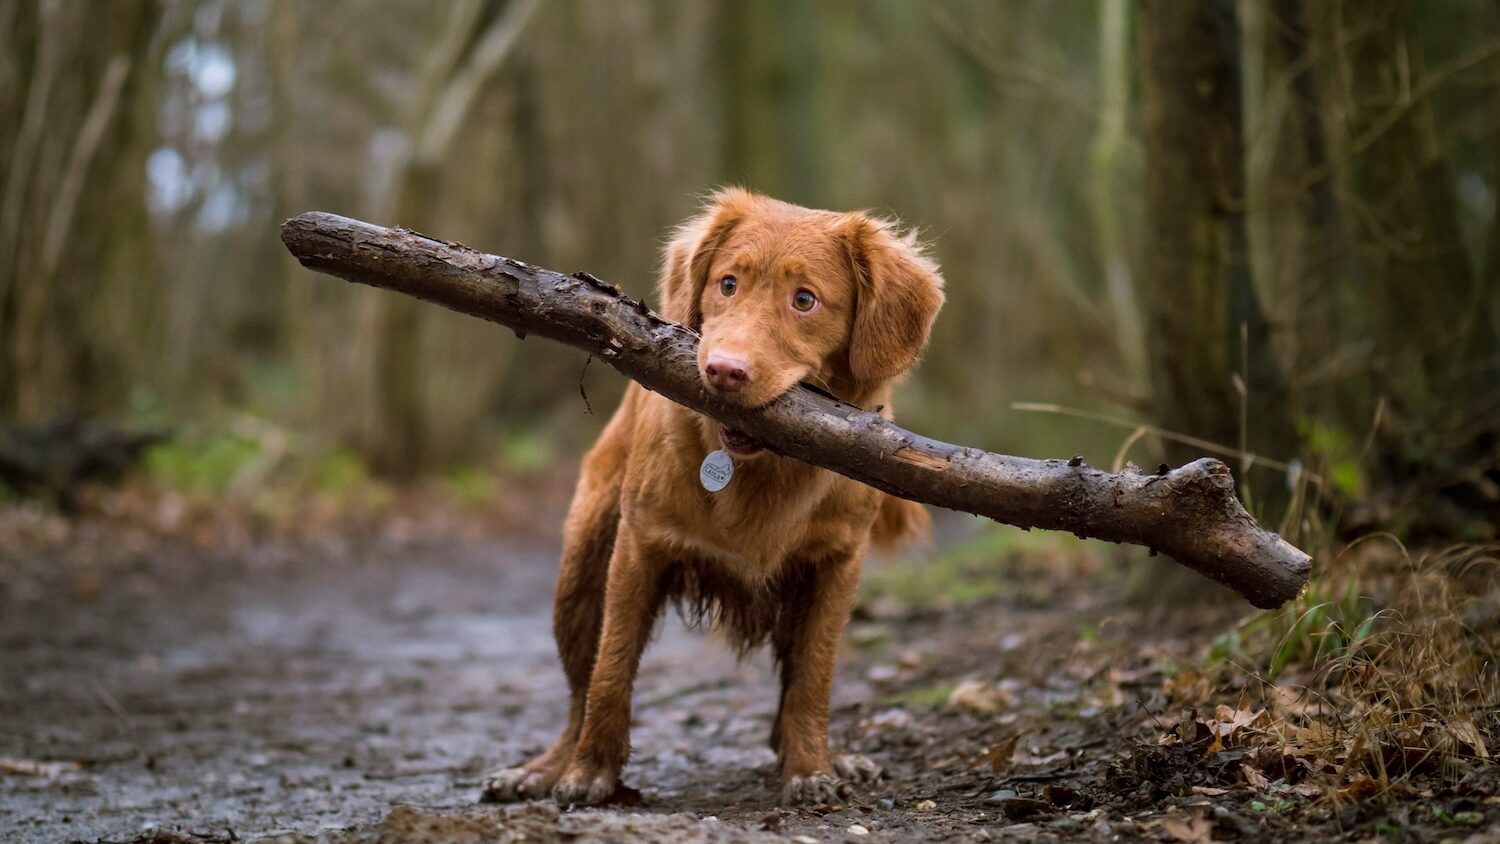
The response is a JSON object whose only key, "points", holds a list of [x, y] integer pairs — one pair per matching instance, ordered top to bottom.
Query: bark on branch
{"points": [[1190, 513]]}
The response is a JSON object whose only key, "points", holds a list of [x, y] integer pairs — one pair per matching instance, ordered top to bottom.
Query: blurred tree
{"points": [[475, 41], [771, 126], [1107, 183], [1300, 187], [72, 200], [1299, 250], [1417, 297], [1213, 373]]}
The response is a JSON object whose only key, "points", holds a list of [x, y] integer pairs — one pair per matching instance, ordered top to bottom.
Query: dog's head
{"points": [[783, 294]]}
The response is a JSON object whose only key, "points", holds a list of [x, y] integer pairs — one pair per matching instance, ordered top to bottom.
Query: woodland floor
{"points": [[356, 688]]}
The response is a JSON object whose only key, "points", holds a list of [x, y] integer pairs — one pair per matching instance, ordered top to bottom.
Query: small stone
{"points": [[1001, 796], [887, 803], [926, 806], [856, 829], [804, 839]]}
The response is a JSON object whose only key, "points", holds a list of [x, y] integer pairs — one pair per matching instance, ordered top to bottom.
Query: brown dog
{"points": [[781, 294]]}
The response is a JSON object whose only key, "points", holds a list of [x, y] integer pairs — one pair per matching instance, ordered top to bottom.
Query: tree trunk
{"points": [[473, 50], [770, 132], [72, 153], [1107, 189], [1436, 358], [1213, 373], [1190, 513]]}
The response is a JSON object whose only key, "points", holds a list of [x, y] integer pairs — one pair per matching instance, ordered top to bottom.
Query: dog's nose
{"points": [[726, 373]]}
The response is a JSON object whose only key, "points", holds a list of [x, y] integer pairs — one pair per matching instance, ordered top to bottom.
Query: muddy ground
{"points": [[356, 690]]}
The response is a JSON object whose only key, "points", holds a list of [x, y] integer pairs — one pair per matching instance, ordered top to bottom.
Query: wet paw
{"points": [[856, 768], [512, 785], [586, 785], [820, 788]]}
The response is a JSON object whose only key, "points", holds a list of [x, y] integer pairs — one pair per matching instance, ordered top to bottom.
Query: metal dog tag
{"points": [[717, 469]]}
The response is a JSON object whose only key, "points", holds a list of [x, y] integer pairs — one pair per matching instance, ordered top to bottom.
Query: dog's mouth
{"points": [[738, 442]]}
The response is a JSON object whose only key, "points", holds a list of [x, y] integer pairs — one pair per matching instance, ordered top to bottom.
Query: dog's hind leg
{"points": [[578, 608]]}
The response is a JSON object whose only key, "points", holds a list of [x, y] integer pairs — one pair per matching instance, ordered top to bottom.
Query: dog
{"points": [[780, 294]]}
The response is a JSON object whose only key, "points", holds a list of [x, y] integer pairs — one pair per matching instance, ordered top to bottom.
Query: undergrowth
{"points": [[248, 478], [1381, 679]]}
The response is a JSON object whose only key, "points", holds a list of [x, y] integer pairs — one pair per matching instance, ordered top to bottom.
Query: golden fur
{"points": [[777, 554]]}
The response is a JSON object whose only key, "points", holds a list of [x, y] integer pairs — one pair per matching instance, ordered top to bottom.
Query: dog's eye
{"points": [[727, 285], [804, 300]]}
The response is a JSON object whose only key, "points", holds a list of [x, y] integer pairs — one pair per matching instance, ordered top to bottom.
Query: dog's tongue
{"points": [[738, 441]]}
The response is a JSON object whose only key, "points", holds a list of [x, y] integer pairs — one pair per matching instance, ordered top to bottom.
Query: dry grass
{"points": [[1381, 682]]}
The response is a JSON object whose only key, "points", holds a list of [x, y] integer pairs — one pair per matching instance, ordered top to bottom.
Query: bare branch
{"points": [[1190, 513]]}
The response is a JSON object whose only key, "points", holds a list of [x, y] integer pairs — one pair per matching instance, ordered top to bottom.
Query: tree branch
{"points": [[1190, 513]]}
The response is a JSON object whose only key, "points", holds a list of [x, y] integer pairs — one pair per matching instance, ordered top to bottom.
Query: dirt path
{"points": [[358, 694], [284, 695]]}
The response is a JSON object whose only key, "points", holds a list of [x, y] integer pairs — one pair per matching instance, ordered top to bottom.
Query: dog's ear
{"points": [[690, 254], [898, 291]]}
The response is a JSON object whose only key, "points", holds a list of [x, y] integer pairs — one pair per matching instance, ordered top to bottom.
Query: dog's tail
{"points": [[899, 522]]}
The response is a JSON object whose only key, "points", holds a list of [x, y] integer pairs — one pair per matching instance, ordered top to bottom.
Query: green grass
{"points": [[527, 452], [206, 466], [338, 472], [472, 487], [968, 571], [1329, 621], [919, 697]]}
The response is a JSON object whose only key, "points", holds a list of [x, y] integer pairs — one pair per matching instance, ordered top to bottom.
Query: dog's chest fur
{"points": [[774, 509], [743, 557]]}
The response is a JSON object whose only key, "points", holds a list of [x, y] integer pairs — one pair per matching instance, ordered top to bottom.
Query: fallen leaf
{"points": [[977, 696], [1226, 721], [1466, 731], [1316, 736], [997, 756], [1024, 757], [33, 768], [1254, 778], [1360, 788], [1209, 792], [1060, 795], [1024, 808], [1195, 830]]}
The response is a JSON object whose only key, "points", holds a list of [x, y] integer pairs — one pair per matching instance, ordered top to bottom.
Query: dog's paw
{"points": [[856, 768], [512, 785], [586, 785], [819, 788]]}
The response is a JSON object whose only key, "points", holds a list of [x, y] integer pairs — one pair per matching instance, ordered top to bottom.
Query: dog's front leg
{"points": [[633, 599], [811, 650]]}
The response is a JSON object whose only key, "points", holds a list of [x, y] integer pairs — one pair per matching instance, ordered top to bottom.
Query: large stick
{"points": [[1190, 513]]}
